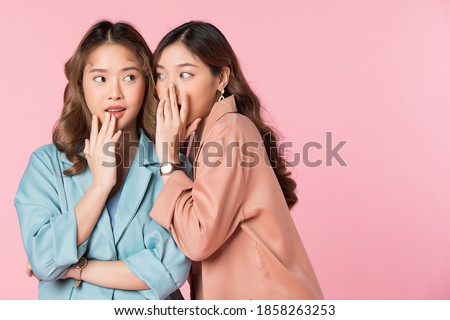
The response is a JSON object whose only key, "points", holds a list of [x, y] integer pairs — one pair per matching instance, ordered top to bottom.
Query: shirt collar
{"points": [[220, 108], [147, 147]]}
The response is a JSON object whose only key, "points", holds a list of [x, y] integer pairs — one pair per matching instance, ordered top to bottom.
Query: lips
{"points": [[116, 111]]}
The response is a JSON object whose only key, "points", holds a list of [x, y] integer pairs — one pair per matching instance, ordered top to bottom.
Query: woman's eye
{"points": [[185, 75], [160, 76], [129, 78], [100, 79]]}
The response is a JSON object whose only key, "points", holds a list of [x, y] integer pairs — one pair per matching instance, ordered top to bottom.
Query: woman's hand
{"points": [[171, 126], [103, 166], [29, 270]]}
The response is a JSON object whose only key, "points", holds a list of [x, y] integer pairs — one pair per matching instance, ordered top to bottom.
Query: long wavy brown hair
{"points": [[209, 44], [74, 124]]}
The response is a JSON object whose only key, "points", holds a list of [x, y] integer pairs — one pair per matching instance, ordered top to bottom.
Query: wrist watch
{"points": [[167, 168], [79, 266]]}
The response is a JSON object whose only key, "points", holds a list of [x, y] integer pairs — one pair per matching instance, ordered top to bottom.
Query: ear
{"points": [[224, 77]]}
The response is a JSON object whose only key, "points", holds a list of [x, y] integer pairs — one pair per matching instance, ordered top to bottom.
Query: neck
{"points": [[200, 128], [197, 137]]}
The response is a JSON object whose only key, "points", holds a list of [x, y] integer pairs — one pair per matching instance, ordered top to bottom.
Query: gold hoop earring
{"points": [[221, 95]]}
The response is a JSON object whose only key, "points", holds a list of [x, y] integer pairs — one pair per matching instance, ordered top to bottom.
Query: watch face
{"points": [[166, 168], [81, 263]]}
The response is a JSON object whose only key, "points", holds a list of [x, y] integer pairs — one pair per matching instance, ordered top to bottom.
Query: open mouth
{"points": [[115, 110]]}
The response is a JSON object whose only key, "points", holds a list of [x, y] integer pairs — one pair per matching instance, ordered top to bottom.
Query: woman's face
{"points": [[190, 76], [113, 82]]}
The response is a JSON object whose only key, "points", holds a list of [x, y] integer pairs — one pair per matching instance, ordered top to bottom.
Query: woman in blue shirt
{"points": [[84, 201]]}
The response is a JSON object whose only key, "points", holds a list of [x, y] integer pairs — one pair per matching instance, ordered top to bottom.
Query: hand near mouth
{"points": [[116, 111], [171, 125], [101, 160]]}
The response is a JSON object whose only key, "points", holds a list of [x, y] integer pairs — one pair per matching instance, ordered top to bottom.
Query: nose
{"points": [[162, 89], [114, 90]]}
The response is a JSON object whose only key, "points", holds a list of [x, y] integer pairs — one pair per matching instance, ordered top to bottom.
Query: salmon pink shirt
{"points": [[233, 220]]}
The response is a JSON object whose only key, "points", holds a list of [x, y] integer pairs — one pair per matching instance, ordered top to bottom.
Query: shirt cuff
{"points": [[64, 227], [150, 269]]}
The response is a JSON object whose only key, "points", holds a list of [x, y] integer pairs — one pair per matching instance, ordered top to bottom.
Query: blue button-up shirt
{"points": [[45, 204]]}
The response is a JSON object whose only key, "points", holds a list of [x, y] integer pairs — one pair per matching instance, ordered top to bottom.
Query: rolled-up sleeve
{"points": [[202, 214], [48, 233], [162, 265]]}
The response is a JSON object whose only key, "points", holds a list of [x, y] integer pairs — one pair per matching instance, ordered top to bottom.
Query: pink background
{"points": [[375, 73]]}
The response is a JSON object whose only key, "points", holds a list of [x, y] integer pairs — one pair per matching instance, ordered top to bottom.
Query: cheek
{"points": [[135, 94], [206, 95], [90, 96]]}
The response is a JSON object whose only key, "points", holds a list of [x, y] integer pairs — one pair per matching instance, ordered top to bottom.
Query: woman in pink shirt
{"points": [[233, 220]]}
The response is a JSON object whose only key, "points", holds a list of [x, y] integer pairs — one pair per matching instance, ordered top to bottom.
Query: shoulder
{"points": [[234, 126], [46, 150], [46, 153], [45, 158], [40, 176]]}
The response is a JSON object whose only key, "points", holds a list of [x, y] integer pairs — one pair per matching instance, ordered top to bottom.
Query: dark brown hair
{"points": [[209, 44], [74, 124]]}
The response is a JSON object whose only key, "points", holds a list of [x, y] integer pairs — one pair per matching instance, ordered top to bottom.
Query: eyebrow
{"points": [[179, 65], [104, 70]]}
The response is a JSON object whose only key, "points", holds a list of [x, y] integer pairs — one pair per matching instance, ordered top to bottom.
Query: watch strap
{"points": [[175, 166], [79, 266]]}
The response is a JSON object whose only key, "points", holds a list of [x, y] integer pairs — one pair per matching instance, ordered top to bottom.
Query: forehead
{"points": [[111, 54], [177, 54]]}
